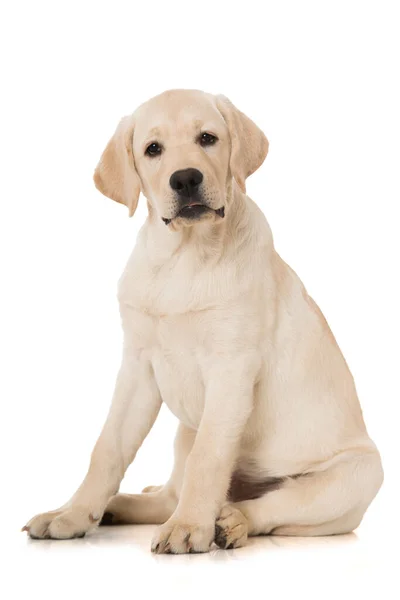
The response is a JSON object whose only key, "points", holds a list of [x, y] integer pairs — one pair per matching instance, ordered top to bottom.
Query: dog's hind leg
{"points": [[157, 503], [320, 503], [151, 507]]}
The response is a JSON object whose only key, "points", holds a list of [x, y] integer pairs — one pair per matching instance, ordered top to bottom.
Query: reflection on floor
{"points": [[138, 537], [117, 560]]}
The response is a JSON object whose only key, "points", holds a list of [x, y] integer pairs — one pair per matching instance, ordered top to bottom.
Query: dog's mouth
{"points": [[196, 210], [193, 211]]}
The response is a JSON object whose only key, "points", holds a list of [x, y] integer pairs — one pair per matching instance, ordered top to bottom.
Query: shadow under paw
{"points": [[107, 519]]}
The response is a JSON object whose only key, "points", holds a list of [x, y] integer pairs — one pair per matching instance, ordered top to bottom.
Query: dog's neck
{"points": [[205, 241]]}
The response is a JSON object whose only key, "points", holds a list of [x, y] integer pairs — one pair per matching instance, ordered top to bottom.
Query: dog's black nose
{"points": [[186, 181]]}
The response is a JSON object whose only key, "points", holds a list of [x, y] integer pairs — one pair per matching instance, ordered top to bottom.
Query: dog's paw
{"points": [[152, 488], [72, 522], [231, 528], [175, 537]]}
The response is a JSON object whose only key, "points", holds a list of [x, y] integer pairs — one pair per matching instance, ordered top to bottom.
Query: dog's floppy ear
{"points": [[249, 144], [115, 175]]}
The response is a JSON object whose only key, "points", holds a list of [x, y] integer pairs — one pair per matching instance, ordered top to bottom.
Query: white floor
{"points": [[117, 560]]}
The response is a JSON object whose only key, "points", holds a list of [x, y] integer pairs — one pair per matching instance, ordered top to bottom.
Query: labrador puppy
{"points": [[271, 437]]}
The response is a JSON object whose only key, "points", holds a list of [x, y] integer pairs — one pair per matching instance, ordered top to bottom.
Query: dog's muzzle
{"points": [[186, 185]]}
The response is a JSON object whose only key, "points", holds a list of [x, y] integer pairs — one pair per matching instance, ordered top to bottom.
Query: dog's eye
{"points": [[207, 139], [153, 149]]}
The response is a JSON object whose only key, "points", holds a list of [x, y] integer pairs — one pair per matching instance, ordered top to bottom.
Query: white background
{"points": [[322, 80]]}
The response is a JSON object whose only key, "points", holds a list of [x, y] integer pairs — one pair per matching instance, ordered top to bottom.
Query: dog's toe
{"points": [[152, 488], [61, 524], [231, 528], [178, 538]]}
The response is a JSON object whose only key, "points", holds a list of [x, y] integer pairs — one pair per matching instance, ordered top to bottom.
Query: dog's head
{"points": [[181, 149]]}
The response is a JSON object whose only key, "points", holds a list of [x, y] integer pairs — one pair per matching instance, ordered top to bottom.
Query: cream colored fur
{"points": [[218, 327]]}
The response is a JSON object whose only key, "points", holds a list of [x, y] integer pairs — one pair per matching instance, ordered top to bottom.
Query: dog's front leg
{"points": [[228, 404], [134, 408]]}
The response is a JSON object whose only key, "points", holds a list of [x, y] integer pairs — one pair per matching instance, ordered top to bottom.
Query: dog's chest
{"points": [[181, 319], [175, 348], [180, 383]]}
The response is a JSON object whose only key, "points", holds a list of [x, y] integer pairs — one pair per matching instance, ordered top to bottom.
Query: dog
{"points": [[271, 438]]}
